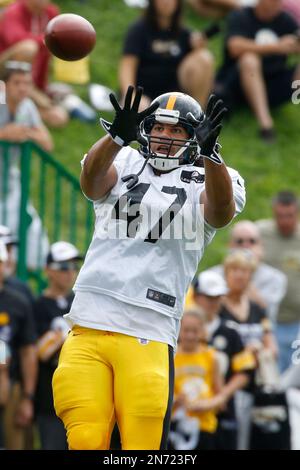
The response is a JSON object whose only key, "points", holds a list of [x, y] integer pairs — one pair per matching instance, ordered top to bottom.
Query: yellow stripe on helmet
{"points": [[171, 102]]}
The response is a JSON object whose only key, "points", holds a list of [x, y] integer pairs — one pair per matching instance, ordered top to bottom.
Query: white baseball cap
{"points": [[7, 236], [63, 251], [3, 252], [211, 283]]}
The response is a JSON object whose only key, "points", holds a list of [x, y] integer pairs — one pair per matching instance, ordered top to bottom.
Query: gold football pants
{"points": [[103, 377]]}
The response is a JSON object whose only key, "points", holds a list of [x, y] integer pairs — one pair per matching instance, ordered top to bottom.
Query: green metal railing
{"points": [[56, 196]]}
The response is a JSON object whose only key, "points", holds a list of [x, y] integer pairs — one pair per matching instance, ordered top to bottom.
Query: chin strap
{"points": [[134, 179]]}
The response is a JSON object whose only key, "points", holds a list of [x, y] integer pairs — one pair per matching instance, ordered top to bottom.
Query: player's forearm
{"points": [[100, 157], [98, 175], [219, 206], [29, 367]]}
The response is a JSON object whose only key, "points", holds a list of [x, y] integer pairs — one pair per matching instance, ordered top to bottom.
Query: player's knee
{"points": [[88, 436]]}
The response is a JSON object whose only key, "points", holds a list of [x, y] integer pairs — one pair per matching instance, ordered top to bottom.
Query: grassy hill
{"points": [[266, 169]]}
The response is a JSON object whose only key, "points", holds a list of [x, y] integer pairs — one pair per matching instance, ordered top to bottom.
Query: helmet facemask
{"points": [[188, 149]]}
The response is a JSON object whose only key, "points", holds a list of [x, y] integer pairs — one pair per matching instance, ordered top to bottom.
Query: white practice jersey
{"points": [[146, 247]]}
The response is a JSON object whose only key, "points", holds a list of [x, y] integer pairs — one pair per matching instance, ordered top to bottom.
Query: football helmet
{"points": [[174, 108]]}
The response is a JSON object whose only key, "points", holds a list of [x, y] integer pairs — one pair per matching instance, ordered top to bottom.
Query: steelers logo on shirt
{"points": [[220, 342]]}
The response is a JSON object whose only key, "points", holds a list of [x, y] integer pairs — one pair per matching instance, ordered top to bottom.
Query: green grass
{"points": [[266, 169]]}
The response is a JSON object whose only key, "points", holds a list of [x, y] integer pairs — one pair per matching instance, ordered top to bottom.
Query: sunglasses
{"points": [[241, 241], [64, 266]]}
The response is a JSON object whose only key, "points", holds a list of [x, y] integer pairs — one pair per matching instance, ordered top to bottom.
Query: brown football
{"points": [[70, 37]]}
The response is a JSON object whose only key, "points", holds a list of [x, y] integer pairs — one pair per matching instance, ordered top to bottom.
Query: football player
{"points": [[150, 234]]}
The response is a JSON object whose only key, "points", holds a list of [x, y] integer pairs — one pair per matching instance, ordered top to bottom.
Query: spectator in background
{"points": [[218, 8], [293, 8], [22, 30], [258, 43], [161, 55], [19, 117], [20, 121], [281, 238], [10, 280], [15, 284], [268, 285], [251, 322], [254, 326], [18, 328], [52, 329], [4, 355], [236, 362], [197, 388]]}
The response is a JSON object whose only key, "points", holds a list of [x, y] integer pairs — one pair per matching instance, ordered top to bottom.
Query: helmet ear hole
{"points": [[148, 123]]}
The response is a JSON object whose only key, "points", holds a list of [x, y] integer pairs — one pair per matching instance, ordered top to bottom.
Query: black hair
{"points": [[151, 16], [286, 198]]}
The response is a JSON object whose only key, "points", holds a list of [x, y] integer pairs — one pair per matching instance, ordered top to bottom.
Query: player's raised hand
{"points": [[125, 126], [208, 129]]}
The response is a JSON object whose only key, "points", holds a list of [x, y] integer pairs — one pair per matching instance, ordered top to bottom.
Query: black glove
{"points": [[125, 126], [208, 129]]}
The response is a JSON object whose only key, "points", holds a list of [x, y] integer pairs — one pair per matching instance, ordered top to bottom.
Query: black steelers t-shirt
{"points": [[17, 327], [253, 327], [234, 358]]}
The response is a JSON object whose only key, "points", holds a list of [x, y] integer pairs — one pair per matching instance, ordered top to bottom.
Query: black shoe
{"points": [[268, 135]]}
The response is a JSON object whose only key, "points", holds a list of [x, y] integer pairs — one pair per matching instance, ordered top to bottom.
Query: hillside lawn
{"points": [[265, 168]]}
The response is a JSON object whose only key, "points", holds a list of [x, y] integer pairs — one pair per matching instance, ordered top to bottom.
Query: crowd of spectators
{"points": [[161, 54], [254, 295], [32, 331], [235, 357]]}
